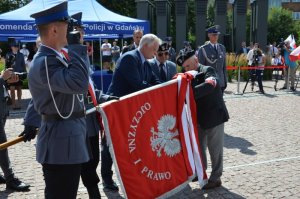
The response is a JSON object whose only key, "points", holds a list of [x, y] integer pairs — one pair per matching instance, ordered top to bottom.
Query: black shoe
{"points": [[293, 89], [2, 179], [195, 179], [212, 184], [17, 185], [112, 186], [94, 192]]}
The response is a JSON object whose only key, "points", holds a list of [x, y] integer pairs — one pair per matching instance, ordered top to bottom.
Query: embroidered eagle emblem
{"points": [[165, 139]]}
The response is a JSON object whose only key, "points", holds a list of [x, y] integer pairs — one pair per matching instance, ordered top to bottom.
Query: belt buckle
{"points": [[89, 100]]}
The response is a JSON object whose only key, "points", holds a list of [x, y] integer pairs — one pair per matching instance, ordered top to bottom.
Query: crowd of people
{"points": [[276, 55], [61, 89]]}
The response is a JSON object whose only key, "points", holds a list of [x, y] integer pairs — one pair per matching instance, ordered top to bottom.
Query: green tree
{"points": [[9, 5], [126, 8], [210, 15], [191, 21], [280, 24]]}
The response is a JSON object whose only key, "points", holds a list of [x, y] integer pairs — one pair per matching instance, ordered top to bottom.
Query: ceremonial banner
{"points": [[153, 139]]}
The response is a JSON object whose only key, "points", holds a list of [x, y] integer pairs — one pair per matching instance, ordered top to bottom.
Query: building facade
{"points": [[293, 5]]}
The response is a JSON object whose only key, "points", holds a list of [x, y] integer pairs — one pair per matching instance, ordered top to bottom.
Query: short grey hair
{"points": [[149, 39]]}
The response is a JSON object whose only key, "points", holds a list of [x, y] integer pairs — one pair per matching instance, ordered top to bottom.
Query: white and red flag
{"points": [[291, 40], [295, 54], [153, 139]]}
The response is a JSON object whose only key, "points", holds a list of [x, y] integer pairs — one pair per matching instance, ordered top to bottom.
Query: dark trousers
{"points": [[258, 76], [4, 159], [106, 163], [89, 174], [61, 180]]}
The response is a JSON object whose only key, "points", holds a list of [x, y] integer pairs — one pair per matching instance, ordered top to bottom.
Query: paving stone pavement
{"points": [[261, 150]]}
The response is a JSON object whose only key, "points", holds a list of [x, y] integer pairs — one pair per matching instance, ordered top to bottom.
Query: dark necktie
{"points": [[216, 48], [163, 76]]}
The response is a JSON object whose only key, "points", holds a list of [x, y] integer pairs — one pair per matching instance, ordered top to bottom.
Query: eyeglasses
{"points": [[163, 53]]}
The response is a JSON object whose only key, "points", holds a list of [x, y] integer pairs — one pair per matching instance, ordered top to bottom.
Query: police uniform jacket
{"points": [[172, 55], [208, 56], [169, 66], [131, 75], [211, 109], [92, 121], [61, 141]]}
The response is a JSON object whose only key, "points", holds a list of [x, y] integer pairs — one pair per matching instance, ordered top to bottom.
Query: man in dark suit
{"points": [[137, 35], [214, 54], [161, 66], [133, 71], [57, 87], [211, 113]]}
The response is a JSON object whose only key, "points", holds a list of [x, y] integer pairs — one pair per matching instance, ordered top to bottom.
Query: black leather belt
{"points": [[56, 117]]}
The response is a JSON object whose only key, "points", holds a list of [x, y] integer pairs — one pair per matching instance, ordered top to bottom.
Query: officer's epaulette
{"points": [[204, 45], [58, 58]]}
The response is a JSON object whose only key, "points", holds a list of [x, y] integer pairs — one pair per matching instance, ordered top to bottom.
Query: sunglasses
{"points": [[161, 53]]}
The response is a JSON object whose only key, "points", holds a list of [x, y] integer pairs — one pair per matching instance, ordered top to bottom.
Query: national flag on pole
{"points": [[292, 41], [295, 54], [153, 139]]}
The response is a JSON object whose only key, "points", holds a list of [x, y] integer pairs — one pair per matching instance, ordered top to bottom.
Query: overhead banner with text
{"points": [[153, 139]]}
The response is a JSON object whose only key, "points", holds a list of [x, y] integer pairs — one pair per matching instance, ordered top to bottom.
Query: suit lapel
{"points": [[155, 69]]}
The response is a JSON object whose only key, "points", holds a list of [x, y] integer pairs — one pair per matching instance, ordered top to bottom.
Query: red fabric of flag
{"points": [[147, 143]]}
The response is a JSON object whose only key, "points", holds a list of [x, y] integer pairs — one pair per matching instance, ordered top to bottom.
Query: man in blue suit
{"points": [[161, 66], [133, 71], [57, 87]]}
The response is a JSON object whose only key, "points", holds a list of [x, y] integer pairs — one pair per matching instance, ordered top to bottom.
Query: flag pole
{"points": [[17, 140]]}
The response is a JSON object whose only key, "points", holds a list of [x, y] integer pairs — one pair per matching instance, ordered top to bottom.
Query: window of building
{"points": [[295, 0], [284, 1], [296, 15]]}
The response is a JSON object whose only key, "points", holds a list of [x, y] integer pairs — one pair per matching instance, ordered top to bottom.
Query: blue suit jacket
{"points": [[170, 66], [131, 75], [60, 141]]}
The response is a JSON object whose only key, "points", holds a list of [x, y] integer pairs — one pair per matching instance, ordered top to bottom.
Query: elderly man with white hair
{"points": [[133, 71]]}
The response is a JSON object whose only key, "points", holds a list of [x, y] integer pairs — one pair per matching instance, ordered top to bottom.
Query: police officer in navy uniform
{"points": [[172, 51], [214, 54], [161, 66], [57, 87], [94, 97], [211, 113], [12, 182]]}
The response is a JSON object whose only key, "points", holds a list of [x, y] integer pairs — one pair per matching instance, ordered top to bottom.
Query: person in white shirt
{"points": [[25, 52], [106, 54], [256, 58]]}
